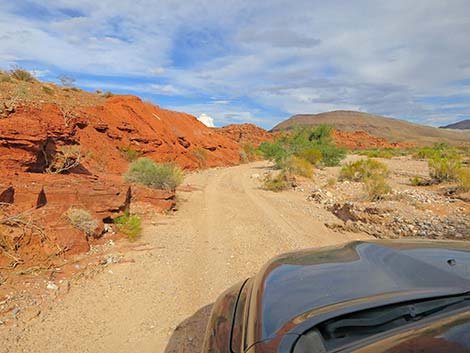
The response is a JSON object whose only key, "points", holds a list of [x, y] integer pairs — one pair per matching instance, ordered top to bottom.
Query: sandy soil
{"points": [[159, 300]]}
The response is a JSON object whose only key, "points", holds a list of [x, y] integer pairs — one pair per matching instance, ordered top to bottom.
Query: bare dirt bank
{"points": [[158, 301]]}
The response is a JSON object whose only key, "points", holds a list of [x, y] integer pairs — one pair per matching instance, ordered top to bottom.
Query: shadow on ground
{"points": [[189, 334]]}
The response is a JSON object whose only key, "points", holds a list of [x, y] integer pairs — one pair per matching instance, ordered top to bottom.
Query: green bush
{"points": [[22, 75], [108, 94], [302, 143], [440, 150], [273, 151], [129, 153], [311, 155], [331, 155], [298, 166], [363, 169], [443, 169], [159, 176], [464, 179], [275, 183], [82, 219], [129, 225]]}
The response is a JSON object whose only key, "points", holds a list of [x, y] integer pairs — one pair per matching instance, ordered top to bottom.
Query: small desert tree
{"points": [[66, 80]]}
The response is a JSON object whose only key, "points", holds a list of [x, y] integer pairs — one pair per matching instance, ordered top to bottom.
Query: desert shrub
{"points": [[22, 74], [5, 77], [66, 80], [47, 89], [108, 94], [321, 134], [302, 143], [440, 150], [273, 151], [250, 152], [129, 153], [386, 153], [331, 154], [201, 155], [311, 155], [243, 156], [65, 158], [297, 166], [363, 169], [443, 169], [159, 176], [464, 179], [419, 181], [331, 182], [275, 183], [376, 187], [82, 219], [131, 226]]}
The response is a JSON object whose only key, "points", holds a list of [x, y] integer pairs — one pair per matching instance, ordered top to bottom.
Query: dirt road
{"points": [[224, 231]]}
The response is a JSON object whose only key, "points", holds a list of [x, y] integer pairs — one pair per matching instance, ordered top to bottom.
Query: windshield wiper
{"points": [[375, 319]]}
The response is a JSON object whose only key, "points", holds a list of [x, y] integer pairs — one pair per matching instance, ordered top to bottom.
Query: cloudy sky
{"points": [[254, 61]]}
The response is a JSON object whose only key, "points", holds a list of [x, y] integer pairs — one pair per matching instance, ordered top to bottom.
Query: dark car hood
{"points": [[294, 287]]}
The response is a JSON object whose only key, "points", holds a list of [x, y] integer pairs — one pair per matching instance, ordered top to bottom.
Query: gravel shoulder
{"points": [[158, 299]]}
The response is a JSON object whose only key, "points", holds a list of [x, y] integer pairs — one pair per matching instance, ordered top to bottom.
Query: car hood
{"points": [[295, 287]]}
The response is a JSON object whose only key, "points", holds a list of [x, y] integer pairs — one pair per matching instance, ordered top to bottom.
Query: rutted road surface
{"points": [[224, 231]]}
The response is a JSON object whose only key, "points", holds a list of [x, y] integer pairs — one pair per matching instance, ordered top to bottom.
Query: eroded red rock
{"points": [[30, 138]]}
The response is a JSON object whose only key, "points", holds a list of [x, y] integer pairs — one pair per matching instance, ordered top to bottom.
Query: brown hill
{"points": [[461, 125], [393, 130], [246, 134]]}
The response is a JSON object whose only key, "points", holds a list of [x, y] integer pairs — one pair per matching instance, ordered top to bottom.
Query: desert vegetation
{"points": [[21, 74], [298, 152], [129, 153], [201, 156], [65, 159], [370, 172], [159, 176], [276, 183], [82, 220], [129, 225]]}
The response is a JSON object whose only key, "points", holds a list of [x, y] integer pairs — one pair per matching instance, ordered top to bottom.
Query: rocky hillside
{"points": [[42, 123], [461, 125], [393, 130], [246, 134], [361, 140]]}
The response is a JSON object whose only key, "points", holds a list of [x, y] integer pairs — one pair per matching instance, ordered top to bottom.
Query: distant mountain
{"points": [[460, 125], [393, 130]]}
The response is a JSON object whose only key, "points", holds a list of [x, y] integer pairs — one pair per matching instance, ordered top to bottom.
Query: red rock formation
{"points": [[246, 134], [31, 137], [362, 140]]}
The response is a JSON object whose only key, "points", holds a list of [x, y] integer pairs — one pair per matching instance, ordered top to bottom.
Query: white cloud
{"points": [[377, 56], [157, 71], [39, 73], [168, 90], [206, 120]]}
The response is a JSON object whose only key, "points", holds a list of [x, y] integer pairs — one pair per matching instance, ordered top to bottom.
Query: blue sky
{"points": [[254, 61]]}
